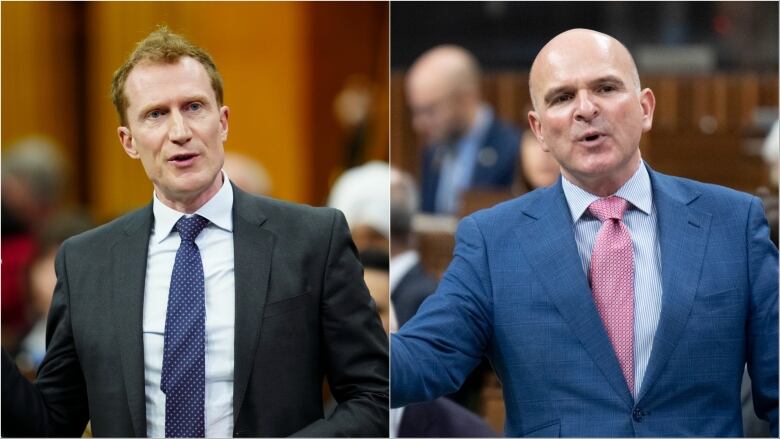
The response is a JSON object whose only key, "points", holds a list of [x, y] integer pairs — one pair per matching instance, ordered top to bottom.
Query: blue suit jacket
{"points": [[495, 169], [516, 292]]}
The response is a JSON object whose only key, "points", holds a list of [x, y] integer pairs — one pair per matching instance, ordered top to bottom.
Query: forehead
{"points": [[580, 61], [150, 82], [426, 84]]}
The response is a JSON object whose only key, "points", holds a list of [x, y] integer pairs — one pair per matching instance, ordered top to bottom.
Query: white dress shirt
{"points": [[216, 250], [395, 420]]}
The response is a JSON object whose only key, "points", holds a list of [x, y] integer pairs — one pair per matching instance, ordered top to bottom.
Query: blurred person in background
{"points": [[352, 108], [466, 146], [538, 167], [248, 174], [34, 183], [361, 193], [768, 194], [41, 280], [410, 284], [618, 302], [129, 344], [754, 426]]}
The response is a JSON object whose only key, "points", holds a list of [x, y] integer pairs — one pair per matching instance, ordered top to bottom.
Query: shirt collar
{"points": [[637, 191], [218, 210]]}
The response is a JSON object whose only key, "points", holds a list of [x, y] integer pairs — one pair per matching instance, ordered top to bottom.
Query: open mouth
{"points": [[591, 138], [182, 157], [184, 160]]}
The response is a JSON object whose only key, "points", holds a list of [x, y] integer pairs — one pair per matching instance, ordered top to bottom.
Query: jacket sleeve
{"points": [[354, 346], [434, 352], [762, 359], [56, 404]]}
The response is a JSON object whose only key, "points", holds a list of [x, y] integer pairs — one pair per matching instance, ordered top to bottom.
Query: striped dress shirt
{"points": [[642, 222]]}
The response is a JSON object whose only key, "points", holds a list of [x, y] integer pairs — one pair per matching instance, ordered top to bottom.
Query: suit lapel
{"points": [[683, 232], [547, 238], [253, 249], [129, 255]]}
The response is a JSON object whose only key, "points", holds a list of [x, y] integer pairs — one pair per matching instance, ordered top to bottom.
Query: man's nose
{"points": [[586, 109], [178, 130]]}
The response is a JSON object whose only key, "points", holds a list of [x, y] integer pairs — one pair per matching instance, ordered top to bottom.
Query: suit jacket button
{"points": [[637, 415]]}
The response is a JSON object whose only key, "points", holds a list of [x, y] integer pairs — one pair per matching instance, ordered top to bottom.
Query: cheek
{"points": [[630, 117], [555, 124], [631, 127], [555, 138], [150, 156]]}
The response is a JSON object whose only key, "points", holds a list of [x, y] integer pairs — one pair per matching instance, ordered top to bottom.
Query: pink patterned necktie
{"points": [[612, 280]]}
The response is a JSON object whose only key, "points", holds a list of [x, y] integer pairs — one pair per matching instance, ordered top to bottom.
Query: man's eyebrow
{"points": [[608, 78], [566, 88], [556, 91], [197, 98], [159, 105], [146, 109]]}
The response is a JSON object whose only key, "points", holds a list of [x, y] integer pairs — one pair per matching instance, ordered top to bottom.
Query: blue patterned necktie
{"points": [[183, 378]]}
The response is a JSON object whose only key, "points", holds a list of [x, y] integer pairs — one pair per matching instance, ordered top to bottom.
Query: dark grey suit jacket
{"points": [[302, 312]]}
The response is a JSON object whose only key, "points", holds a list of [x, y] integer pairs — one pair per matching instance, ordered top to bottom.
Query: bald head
{"points": [[578, 46], [447, 66], [443, 91]]}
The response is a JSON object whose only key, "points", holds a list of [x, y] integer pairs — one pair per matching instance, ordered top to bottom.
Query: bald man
{"points": [[466, 146], [618, 302]]}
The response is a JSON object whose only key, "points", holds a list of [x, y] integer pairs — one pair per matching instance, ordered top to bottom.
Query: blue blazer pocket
{"points": [[725, 303], [287, 305], [547, 429]]}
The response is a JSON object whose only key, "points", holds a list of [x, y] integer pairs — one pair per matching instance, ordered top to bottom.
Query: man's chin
{"points": [[190, 187]]}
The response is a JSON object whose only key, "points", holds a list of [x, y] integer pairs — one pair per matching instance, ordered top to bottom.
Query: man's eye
{"points": [[607, 88], [561, 98], [194, 106], [154, 114]]}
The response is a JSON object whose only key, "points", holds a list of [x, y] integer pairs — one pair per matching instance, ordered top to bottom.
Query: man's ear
{"points": [[647, 101], [224, 112], [536, 127], [126, 139]]}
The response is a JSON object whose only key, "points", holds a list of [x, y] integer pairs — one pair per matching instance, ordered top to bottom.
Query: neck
{"points": [[605, 185], [190, 203]]}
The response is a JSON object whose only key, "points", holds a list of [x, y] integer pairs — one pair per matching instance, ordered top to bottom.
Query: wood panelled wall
{"points": [[278, 61], [38, 76], [703, 126]]}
